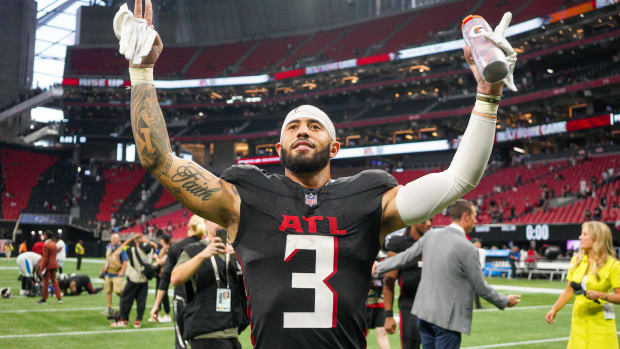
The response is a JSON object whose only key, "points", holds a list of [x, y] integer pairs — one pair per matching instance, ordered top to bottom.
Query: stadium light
{"points": [[518, 150]]}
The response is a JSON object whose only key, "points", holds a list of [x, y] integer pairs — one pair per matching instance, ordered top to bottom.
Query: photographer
{"points": [[196, 229], [161, 258], [139, 271], [214, 311]]}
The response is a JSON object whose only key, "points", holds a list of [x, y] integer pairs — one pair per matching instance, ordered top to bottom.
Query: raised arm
{"points": [[195, 187], [423, 198], [186, 267]]}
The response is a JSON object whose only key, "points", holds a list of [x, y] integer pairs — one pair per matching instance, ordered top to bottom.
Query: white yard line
{"points": [[87, 260], [9, 268], [528, 289], [517, 308], [50, 310], [53, 310], [85, 333], [513, 344]]}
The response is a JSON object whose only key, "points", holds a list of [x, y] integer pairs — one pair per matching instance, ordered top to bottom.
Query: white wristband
{"points": [[141, 76], [483, 107]]}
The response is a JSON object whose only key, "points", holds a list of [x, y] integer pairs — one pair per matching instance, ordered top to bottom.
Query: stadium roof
{"points": [[55, 31]]}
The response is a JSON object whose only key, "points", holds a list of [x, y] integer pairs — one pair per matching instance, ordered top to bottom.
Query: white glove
{"points": [[135, 35], [499, 39]]}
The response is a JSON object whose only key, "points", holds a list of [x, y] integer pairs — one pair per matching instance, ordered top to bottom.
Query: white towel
{"points": [[136, 37]]}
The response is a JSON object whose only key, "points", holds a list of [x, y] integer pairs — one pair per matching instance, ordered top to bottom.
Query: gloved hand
{"points": [[137, 35], [498, 37]]}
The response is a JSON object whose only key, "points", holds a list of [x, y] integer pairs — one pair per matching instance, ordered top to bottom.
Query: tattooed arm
{"points": [[198, 189]]}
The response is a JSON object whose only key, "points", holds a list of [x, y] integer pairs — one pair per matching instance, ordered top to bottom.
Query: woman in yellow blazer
{"points": [[597, 271]]}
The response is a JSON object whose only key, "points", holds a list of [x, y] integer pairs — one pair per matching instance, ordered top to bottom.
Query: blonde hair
{"points": [[196, 226], [602, 245]]}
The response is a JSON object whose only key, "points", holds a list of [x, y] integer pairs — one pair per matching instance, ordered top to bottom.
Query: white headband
{"points": [[311, 112]]}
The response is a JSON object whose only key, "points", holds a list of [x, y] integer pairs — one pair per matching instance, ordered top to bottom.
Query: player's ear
{"points": [[279, 148], [334, 149]]}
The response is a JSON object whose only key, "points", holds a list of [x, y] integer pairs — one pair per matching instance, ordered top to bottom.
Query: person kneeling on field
{"points": [[28, 264], [75, 284], [215, 311]]}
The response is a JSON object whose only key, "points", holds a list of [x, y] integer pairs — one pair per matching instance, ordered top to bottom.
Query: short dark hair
{"points": [[459, 207], [50, 234], [166, 238]]}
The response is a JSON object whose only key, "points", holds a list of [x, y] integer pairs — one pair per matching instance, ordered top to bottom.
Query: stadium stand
{"points": [[431, 20], [385, 34], [358, 38], [314, 46], [268, 53], [173, 60], [214, 60], [96, 61], [20, 180], [119, 183], [539, 183], [92, 190], [53, 192], [165, 199], [174, 223]]}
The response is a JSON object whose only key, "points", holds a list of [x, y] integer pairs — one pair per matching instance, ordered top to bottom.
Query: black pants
{"points": [[79, 262], [27, 283], [137, 291], [165, 302], [178, 304], [409, 332], [215, 343]]}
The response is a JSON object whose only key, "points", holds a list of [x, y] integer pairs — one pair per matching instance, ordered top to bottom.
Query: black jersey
{"points": [[173, 256], [306, 256], [408, 277], [81, 282]]}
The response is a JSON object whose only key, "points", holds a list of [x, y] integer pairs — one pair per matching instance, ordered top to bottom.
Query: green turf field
{"points": [[78, 323]]}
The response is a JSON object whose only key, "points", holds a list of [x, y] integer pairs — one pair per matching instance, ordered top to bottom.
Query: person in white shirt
{"points": [[62, 253], [28, 264]]}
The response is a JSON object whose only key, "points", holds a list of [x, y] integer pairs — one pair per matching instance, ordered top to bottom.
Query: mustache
{"points": [[303, 140]]}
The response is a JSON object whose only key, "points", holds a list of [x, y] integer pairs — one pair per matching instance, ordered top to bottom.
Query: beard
{"points": [[305, 163]]}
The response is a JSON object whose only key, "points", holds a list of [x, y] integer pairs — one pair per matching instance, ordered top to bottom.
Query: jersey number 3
{"points": [[325, 297]]}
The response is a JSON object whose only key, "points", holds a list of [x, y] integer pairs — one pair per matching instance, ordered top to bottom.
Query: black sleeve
{"points": [[249, 174], [375, 180], [389, 244], [395, 244], [171, 261]]}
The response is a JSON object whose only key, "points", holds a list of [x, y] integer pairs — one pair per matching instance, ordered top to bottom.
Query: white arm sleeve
{"points": [[423, 198]]}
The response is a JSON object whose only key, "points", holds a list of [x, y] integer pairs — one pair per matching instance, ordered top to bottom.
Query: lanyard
{"points": [[217, 275]]}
